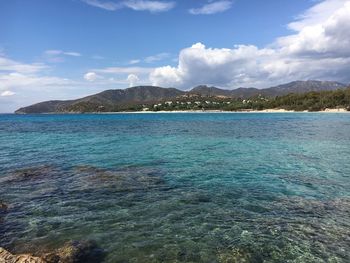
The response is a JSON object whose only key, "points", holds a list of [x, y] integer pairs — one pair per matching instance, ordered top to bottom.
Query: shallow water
{"points": [[179, 187]]}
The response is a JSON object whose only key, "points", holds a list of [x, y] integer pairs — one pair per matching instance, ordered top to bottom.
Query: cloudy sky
{"points": [[63, 49]]}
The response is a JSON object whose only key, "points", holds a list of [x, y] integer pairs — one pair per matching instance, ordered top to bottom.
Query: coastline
{"points": [[330, 110], [340, 110]]}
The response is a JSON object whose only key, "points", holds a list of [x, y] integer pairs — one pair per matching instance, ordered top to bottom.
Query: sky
{"points": [[66, 49]]}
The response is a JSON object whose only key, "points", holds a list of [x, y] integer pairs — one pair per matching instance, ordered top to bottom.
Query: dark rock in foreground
{"points": [[7, 257]]}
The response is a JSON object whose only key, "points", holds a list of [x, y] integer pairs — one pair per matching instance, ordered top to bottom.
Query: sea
{"points": [[179, 187]]}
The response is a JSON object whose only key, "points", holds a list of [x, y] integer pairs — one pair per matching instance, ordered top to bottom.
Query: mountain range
{"points": [[114, 100]]}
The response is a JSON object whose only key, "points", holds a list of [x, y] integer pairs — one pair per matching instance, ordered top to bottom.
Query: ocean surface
{"points": [[216, 187]]}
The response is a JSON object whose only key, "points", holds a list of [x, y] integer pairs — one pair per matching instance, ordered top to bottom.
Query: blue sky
{"points": [[30, 27], [60, 49]]}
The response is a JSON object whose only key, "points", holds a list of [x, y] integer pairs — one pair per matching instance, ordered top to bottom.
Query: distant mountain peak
{"points": [[205, 90]]}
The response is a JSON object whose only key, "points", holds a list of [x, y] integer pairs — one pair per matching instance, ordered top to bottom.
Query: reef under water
{"points": [[177, 187]]}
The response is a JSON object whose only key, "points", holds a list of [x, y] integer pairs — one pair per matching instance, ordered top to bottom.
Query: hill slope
{"points": [[119, 99], [108, 100]]}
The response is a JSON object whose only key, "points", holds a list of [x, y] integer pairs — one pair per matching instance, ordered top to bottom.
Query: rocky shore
{"points": [[71, 252]]}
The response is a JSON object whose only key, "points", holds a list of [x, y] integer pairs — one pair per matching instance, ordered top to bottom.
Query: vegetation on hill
{"points": [[298, 96], [310, 101], [313, 101]]}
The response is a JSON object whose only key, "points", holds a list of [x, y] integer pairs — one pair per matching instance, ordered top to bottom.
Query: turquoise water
{"points": [[179, 187]]}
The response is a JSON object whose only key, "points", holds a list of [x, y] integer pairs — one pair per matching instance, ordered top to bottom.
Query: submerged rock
{"points": [[31, 173], [130, 178], [126, 179], [195, 198], [299, 206], [3, 210], [80, 251], [71, 252], [236, 255]]}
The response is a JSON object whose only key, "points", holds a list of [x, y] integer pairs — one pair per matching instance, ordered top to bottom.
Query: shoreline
{"points": [[341, 110]]}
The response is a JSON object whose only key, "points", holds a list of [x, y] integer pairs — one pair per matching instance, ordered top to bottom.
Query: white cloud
{"points": [[107, 5], [137, 5], [152, 6], [212, 8], [316, 14], [327, 38], [319, 49], [61, 52], [73, 54], [57, 56], [157, 57], [150, 59], [134, 61], [7, 64], [199, 64], [124, 70], [91, 76], [121, 76], [167, 76], [132, 79], [20, 80], [29, 83], [7, 93]]}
